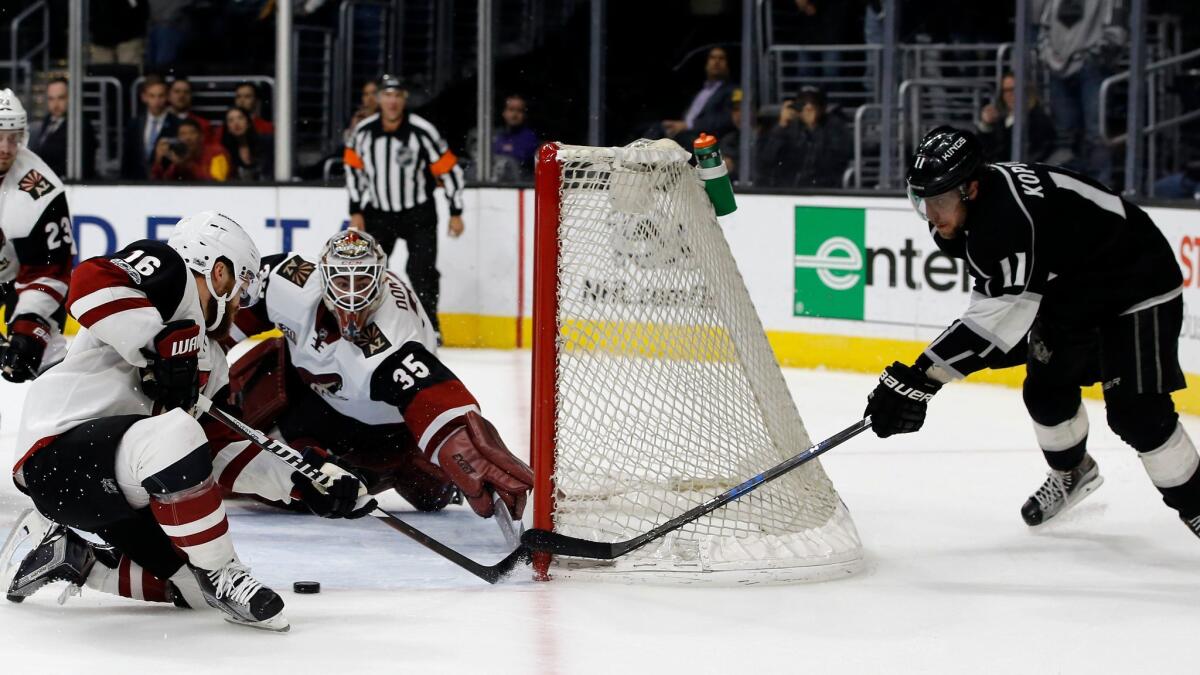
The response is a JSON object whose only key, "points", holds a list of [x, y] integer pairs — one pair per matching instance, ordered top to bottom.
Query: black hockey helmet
{"points": [[946, 159]]}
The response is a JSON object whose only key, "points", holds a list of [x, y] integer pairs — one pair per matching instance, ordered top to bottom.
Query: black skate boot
{"points": [[1061, 491], [1193, 524], [61, 555], [242, 598]]}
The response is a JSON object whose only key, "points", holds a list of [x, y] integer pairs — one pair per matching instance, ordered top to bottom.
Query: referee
{"points": [[394, 161]]}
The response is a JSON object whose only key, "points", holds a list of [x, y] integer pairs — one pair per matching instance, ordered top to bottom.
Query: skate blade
{"points": [[31, 526], [511, 531], [275, 624]]}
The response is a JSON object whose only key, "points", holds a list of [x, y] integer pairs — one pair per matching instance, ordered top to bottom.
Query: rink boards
{"points": [[839, 282]]}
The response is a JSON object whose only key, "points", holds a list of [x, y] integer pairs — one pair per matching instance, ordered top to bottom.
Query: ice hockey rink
{"points": [[954, 582]]}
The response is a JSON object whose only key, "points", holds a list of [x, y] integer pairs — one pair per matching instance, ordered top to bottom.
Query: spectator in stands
{"points": [[822, 22], [118, 31], [167, 33], [1078, 42], [180, 97], [246, 98], [368, 106], [709, 111], [996, 120], [143, 132], [49, 139], [514, 146], [807, 148], [251, 155], [188, 157], [1182, 185]]}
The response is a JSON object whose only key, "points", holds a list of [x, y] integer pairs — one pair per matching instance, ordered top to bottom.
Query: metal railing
{"points": [[313, 54], [359, 55], [21, 61], [849, 76], [103, 101], [1163, 111]]}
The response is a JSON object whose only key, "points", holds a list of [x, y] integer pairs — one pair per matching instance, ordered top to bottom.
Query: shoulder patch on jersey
{"points": [[35, 184], [128, 269], [296, 270], [372, 340]]}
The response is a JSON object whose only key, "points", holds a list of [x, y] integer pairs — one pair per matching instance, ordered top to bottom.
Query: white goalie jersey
{"points": [[388, 374]]}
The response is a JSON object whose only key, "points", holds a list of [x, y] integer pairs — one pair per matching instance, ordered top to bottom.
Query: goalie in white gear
{"points": [[36, 250], [356, 376], [107, 443]]}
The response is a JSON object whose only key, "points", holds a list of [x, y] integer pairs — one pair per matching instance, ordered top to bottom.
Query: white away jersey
{"points": [[390, 374]]}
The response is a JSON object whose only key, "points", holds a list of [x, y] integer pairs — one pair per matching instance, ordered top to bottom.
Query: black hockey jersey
{"points": [[1043, 241]]}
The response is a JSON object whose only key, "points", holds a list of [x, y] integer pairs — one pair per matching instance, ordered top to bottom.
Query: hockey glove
{"points": [[28, 336], [172, 379], [898, 403], [476, 460], [345, 498]]}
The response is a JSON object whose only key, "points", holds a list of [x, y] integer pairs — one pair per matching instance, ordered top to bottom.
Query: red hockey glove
{"points": [[28, 336], [173, 377], [476, 460], [345, 498]]}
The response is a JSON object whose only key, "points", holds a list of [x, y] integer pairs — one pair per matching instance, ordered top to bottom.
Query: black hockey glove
{"points": [[28, 335], [173, 377], [897, 406], [345, 498]]}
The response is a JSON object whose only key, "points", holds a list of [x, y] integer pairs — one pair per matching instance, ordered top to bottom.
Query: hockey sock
{"points": [[1064, 444], [1172, 468], [195, 521], [128, 580]]}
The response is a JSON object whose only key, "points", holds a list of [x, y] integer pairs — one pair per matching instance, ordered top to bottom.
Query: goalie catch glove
{"points": [[21, 358], [898, 403], [477, 461], [345, 497]]}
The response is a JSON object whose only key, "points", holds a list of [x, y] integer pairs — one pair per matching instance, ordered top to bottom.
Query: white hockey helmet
{"points": [[12, 114], [206, 237], [352, 267]]}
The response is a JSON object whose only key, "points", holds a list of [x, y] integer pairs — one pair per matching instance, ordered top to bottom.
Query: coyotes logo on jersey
{"points": [[35, 184], [297, 270], [372, 340], [325, 384]]}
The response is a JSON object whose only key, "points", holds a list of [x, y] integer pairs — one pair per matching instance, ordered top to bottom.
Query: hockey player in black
{"points": [[1075, 282]]}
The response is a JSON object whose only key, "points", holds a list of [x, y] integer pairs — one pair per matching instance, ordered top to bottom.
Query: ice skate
{"points": [[1061, 491], [1192, 523], [60, 555], [242, 598]]}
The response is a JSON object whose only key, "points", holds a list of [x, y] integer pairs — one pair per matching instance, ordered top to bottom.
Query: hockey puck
{"points": [[307, 587]]}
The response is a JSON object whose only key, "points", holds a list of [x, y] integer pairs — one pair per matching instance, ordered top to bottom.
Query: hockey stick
{"points": [[561, 544], [489, 573]]}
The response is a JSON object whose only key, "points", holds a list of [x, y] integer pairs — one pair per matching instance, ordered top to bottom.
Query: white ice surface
{"points": [[955, 582]]}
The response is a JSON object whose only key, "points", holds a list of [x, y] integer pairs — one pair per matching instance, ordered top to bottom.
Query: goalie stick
{"points": [[548, 541], [489, 573]]}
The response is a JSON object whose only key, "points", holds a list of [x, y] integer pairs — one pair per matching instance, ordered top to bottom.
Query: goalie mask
{"points": [[352, 267]]}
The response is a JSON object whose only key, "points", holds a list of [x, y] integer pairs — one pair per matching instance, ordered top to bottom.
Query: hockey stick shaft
{"points": [[559, 544], [489, 573]]}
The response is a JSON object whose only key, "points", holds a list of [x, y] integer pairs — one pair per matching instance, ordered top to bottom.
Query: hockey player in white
{"points": [[36, 250], [359, 371], [107, 443]]}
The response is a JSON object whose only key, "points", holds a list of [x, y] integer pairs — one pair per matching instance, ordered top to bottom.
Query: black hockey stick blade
{"points": [[560, 544], [489, 573]]}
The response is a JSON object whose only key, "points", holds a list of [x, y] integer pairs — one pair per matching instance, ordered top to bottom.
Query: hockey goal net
{"points": [[655, 387]]}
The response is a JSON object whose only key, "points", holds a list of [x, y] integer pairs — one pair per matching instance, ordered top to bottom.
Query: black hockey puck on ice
{"points": [[307, 587]]}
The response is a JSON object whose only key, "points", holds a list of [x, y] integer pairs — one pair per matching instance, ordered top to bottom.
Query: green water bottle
{"points": [[712, 171]]}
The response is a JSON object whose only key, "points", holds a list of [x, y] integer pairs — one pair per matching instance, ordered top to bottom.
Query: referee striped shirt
{"points": [[399, 170]]}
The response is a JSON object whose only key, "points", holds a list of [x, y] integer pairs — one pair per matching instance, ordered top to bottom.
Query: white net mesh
{"points": [[667, 390]]}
